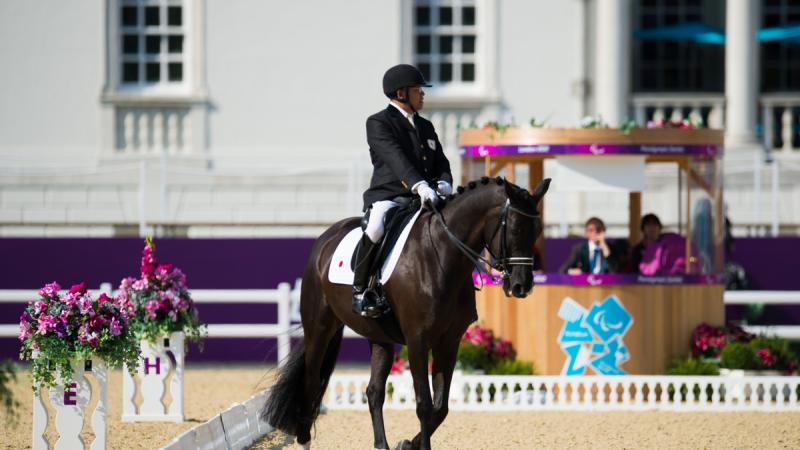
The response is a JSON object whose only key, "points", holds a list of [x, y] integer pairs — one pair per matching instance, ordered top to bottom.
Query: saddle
{"points": [[394, 222]]}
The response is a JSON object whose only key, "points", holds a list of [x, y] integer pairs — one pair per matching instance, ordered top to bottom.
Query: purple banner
{"points": [[474, 151], [606, 279]]}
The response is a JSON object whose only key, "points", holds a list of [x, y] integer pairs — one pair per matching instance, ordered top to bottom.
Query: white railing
{"points": [[780, 107], [710, 108], [153, 130], [286, 297], [791, 332], [584, 393], [233, 429]]}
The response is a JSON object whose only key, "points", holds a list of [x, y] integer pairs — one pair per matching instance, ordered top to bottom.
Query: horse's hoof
{"points": [[405, 444]]}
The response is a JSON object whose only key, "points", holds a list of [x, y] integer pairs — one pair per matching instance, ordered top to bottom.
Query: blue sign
{"points": [[593, 338]]}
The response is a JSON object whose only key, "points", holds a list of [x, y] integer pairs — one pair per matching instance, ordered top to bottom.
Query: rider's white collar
{"points": [[409, 117]]}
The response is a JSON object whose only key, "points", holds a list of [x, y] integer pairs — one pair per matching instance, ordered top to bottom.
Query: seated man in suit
{"points": [[594, 255]]}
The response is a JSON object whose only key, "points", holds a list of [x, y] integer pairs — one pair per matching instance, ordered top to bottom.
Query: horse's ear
{"points": [[540, 190]]}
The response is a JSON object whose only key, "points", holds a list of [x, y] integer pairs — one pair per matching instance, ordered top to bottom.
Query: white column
{"points": [[612, 56], [741, 71]]}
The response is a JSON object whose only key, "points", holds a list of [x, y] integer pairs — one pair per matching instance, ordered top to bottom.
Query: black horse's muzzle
{"points": [[519, 282]]}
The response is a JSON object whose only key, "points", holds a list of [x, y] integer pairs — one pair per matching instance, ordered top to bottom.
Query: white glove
{"points": [[444, 188], [425, 192]]}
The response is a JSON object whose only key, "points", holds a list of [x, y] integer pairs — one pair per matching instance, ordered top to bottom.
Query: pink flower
{"points": [[126, 283], [140, 285], [78, 288], [49, 290], [103, 298], [70, 299], [85, 304], [39, 306], [151, 307], [46, 324], [114, 327], [24, 330], [766, 357], [398, 366]]}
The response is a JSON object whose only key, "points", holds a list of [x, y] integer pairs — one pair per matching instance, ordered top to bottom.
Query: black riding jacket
{"points": [[402, 155]]}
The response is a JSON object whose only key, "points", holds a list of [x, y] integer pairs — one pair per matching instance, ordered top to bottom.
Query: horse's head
{"points": [[513, 235]]}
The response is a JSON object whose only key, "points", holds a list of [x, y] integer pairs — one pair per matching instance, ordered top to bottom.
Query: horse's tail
{"points": [[283, 409]]}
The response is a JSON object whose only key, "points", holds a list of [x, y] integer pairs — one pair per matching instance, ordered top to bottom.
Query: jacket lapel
{"points": [[404, 124]]}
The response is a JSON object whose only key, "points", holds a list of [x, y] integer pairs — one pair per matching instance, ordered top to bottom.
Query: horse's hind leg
{"points": [[322, 347], [381, 362]]}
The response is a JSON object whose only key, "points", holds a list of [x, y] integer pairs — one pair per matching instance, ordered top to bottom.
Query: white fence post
{"points": [[284, 322]]}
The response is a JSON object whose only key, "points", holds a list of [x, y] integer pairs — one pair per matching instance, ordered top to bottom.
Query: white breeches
{"points": [[375, 225]]}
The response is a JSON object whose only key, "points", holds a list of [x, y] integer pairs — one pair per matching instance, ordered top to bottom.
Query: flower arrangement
{"points": [[685, 124], [159, 302], [59, 329], [708, 341], [733, 348], [479, 350], [761, 353]]}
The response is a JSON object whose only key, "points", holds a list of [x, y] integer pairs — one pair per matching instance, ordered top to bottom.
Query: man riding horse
{"points": [[407, 160]]}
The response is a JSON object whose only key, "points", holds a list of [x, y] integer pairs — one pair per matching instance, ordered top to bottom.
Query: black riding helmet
{"points": [[402, 76]]}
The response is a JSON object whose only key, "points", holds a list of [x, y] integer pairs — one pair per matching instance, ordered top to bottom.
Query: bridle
{"points": [[503, 263]]}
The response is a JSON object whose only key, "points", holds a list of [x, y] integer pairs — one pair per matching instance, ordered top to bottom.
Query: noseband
{"points": [[502, 263]]}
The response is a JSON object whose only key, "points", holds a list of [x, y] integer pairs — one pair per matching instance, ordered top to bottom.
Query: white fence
{"points": [[285, 297], [288, 301], [584, 393]]}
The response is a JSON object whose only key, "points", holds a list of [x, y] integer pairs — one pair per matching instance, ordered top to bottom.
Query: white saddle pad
{"points": [[340, 272]]}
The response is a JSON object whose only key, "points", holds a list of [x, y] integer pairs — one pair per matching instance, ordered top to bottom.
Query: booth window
{"points": [[445, 37], [151, 43], [677, 46], [780, 56]]}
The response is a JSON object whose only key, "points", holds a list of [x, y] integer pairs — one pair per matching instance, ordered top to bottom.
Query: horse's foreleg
{"points": [[418, 361], [444, 361], [381, 362]]}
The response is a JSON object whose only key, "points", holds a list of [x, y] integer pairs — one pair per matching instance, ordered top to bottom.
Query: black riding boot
{"points": [[365, 300]]}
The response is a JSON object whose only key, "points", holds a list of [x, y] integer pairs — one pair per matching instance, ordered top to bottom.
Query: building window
{"points": [[445, 40], [151, 43], [780, 58], [683, 60]]}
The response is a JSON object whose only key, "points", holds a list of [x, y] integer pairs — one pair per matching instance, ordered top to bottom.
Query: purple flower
{"points": [[49, 290], [173, 315], [46, 324], [114, 327]]}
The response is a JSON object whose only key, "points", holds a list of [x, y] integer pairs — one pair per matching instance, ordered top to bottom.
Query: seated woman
{"points": [[651, 233]]}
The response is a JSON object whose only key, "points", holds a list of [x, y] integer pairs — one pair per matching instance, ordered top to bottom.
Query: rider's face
{"points": [[416, 97]]}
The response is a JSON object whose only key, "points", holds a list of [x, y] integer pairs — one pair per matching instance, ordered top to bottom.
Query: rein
{"points": [[500, 264]]}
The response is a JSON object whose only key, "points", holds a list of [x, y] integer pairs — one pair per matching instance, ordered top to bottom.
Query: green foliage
{"points": [[739, 355], [55, 356], [473, 357], [692, 366], [512, 367], [7, 401]]}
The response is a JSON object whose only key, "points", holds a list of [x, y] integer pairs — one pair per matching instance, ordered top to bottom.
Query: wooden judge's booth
{"points": [[626, 323]]}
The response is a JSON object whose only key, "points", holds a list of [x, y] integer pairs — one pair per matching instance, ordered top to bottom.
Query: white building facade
{"points": [[246, 118]]}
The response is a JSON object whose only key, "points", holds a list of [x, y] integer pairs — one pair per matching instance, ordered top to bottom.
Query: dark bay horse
{"points": [[431, 296]]}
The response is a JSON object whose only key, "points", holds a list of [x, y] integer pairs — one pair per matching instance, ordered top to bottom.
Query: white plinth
{"points": [[154, 368], [70, 404]]}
